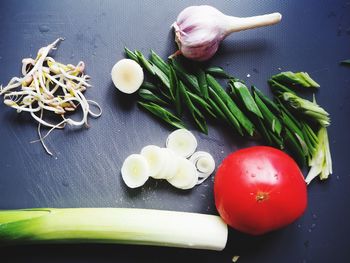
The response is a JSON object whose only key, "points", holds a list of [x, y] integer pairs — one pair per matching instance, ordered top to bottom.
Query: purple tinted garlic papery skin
{"points": [[200, 29]]}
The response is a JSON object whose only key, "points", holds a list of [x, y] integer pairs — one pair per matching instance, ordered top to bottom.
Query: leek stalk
{"points": [[113, 225]]}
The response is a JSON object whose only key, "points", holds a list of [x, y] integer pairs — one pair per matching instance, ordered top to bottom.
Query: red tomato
{"points": [[259, 189]]}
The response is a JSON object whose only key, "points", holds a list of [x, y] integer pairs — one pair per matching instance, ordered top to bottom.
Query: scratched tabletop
{"points": [[84, 171]]}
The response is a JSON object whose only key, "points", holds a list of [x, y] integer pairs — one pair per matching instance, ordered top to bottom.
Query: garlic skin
{"points": [[200, 29]]}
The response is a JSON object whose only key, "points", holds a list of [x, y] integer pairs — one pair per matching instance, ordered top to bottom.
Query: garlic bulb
{"points": [[200, 29]]}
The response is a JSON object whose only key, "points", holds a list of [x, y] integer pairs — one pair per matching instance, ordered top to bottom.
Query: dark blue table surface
{"points": [[84, 172]]}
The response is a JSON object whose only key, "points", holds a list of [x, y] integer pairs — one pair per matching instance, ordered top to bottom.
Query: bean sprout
{"points": [[49, 86]]}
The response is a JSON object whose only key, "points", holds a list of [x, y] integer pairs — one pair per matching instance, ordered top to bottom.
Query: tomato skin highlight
{"points": [[259, 189]]}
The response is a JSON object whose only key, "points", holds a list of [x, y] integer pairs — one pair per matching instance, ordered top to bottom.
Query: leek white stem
{"points": [[113, 225]]}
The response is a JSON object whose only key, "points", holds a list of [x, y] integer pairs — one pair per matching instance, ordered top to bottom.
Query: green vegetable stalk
{"points": [[308, 108], [321, 161], [112, 225]]}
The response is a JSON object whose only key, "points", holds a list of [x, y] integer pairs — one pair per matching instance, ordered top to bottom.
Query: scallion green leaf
{"points": [[131, 54], [159, 62], [345, 62], [145, 63], [218, 72], [291, 79], [189, 80], [202, 82], [278, 88], [175, 91], [149, 96], [246, 97], [268, 102], [202, 103], [231, 105], [308, 108], [225, 110], [163, 114], [196, 114], [269, 118]]}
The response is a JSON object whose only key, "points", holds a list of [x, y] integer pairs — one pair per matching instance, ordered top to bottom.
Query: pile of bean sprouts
{"points": [[49, 86]]}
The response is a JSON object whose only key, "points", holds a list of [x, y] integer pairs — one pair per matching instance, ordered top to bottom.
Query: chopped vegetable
{"points": [[200, 29], [345, 62], [218, 72], [127, 76], [302, 79], [203, 85], [48, 86], [175, 90], [148, 95], [247, 99], [231, 105], [308, 108], [162, 114], [197, 116], [270, 119], [287, 123], [182, 142], [156, 158], [321, 161], [170, 163], [204, 163], [170, 166], [135, 170], [186, 175], [113, 225]]}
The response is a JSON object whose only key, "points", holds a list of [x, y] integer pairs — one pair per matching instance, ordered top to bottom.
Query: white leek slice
{"points": [[127, 75], [182, 142], [156, 159], [205, 165], [170, 166], [135, 170], [186, 176]]}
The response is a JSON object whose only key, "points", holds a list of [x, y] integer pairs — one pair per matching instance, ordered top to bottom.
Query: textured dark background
{"points": [[84, 172]]}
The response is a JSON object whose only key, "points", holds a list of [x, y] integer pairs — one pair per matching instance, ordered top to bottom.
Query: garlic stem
{"points": [[236, 24]]}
